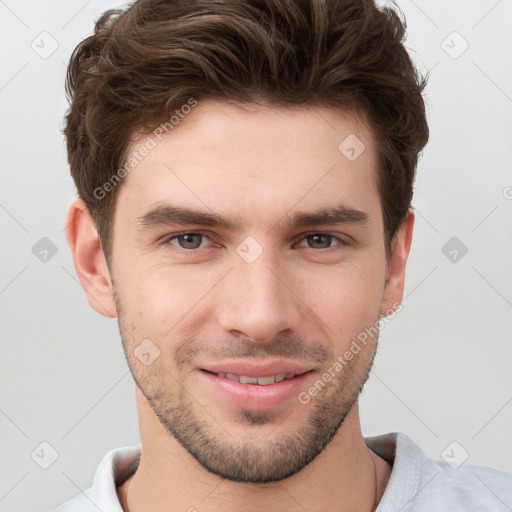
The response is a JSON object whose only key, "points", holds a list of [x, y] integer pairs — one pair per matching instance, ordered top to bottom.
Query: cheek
{"points": [[346, 299], [164, 303]]}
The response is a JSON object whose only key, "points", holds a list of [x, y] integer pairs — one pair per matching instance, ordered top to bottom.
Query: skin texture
{"points": [[302, 299]]}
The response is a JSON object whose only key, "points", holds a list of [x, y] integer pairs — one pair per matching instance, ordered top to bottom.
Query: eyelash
{"points": [[167, 242]]}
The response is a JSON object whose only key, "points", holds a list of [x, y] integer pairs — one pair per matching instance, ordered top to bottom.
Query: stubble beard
{"points": [[257, 459]]}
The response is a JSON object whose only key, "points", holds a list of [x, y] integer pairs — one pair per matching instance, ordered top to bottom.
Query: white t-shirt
{"points": [[417, 483]]}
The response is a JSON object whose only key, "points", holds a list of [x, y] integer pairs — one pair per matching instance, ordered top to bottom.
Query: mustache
{"points": [[237, 348]]}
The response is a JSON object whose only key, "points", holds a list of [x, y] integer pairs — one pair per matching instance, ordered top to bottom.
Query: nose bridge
{"points": [[257, 301]]}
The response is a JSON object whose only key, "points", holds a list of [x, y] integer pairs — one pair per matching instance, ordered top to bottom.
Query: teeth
{"points": [[248, 380], [261, 381]]}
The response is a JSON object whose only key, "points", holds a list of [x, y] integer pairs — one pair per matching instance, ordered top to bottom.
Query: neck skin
{"points": [[168, 478]]}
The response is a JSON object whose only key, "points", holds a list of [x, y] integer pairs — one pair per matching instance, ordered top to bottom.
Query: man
{"points": [[245, 173]]}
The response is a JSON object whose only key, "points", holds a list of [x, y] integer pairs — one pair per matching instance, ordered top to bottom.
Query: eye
{"points": [[187, 241], [321, 241]]}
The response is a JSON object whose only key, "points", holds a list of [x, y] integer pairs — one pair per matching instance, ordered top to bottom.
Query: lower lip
{"points": [[254, 396]]}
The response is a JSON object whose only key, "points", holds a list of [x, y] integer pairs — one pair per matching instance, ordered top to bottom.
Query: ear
{"points": [[89, 260], [395, 279]]}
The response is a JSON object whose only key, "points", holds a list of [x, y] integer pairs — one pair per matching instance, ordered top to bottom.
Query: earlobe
{"points": [[89, 260], [395, 279]]}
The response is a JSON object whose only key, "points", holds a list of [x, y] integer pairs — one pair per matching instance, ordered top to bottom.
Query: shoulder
{"points": [[115, 467], [420, 484], [468, 487], [80, 503]]}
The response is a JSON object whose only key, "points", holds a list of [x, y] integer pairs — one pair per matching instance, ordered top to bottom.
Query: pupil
{"points": [[317, 240], [189, 241]]}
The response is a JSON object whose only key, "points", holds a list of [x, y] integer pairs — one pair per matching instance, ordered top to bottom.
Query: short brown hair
{"points": [[142, 64]]}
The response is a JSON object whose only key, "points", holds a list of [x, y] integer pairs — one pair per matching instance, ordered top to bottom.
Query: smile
{"points": [[260, 381], [263, 389]]}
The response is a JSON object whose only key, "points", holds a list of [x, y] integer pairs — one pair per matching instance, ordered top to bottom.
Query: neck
{"points": [[346, 476]]}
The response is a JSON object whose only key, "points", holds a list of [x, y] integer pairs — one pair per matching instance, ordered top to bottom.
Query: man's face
{"points": [[207, 309]]}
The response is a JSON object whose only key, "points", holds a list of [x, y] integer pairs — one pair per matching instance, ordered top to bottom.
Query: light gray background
{"points": [[443, 369]]}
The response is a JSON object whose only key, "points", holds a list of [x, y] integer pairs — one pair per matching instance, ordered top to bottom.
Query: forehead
{"points": [[253, 159]]}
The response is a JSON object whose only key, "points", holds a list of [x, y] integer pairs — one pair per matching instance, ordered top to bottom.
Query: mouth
{"points": [[258, 381], [255, 385]]}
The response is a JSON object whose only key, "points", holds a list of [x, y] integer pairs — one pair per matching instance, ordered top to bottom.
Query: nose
{"points": [[259, 300]]}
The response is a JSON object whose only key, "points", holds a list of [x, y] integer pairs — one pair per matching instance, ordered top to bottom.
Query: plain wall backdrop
{"points": [[442, 373]]}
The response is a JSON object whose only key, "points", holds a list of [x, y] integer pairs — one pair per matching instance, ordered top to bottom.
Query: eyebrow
{"points": [[164, 214]]}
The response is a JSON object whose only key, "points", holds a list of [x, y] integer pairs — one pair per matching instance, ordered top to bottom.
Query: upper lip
{"points": [[252, 368]]}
